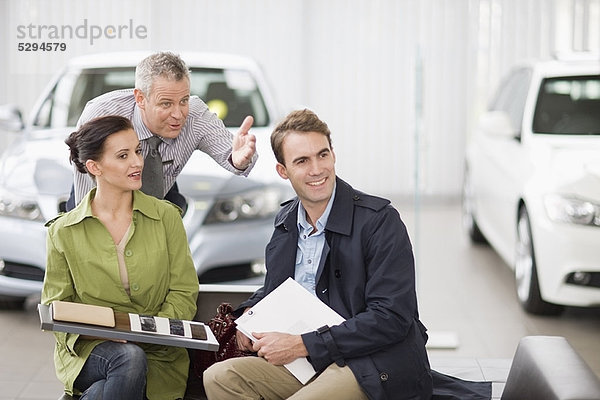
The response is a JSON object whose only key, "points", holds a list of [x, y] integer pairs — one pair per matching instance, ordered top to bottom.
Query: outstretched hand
{"points": [[244, 145]]}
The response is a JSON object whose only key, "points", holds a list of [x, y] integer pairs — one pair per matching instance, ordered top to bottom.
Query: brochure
{"points": [[290, 308]]}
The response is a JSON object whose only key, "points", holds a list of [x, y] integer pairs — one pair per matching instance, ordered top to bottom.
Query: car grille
{"points": [[22, 271]]}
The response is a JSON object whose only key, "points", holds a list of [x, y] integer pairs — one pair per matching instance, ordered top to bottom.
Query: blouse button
{"points": [[128, 253], [135, 287]]}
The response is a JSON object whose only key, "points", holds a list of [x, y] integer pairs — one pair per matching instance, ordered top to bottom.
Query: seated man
{"points": [[353, 252]]}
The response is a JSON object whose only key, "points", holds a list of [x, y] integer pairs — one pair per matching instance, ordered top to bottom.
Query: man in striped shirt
{"points": [[161, 105]]}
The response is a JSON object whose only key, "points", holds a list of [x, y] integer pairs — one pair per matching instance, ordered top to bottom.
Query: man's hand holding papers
{"points": [[276, 322], [275, 347], [279, 348]]}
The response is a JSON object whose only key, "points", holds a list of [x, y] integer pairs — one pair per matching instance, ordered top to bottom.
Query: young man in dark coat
{"points": [[353, 252]]}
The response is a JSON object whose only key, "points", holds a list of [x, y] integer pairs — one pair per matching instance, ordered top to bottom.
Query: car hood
{"points": [[37, 165], [574, 166]]}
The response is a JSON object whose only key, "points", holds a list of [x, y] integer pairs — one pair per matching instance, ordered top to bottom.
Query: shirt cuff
{"points": [[230, 159]]}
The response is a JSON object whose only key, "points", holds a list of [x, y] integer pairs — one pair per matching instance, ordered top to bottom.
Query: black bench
{"points": [[547, 367]]}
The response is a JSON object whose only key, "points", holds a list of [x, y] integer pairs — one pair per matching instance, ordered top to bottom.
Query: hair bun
{"points": [[71, 141]]}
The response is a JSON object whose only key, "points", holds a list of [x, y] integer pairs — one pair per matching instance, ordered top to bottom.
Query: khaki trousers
{"points": [[253, 378]]}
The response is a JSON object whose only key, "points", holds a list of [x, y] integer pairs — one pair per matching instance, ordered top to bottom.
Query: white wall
{"points": [[399, 82]]}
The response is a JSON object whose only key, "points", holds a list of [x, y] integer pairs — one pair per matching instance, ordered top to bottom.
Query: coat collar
{"points": [[341, 216]]}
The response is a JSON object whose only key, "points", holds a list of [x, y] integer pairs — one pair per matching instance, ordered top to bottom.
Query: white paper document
{"points": [[290, 308]]}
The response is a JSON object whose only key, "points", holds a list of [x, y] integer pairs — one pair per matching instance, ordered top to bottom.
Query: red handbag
{"points": [[223, 327]]}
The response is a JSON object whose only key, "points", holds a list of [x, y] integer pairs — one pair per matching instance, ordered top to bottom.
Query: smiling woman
{"points": [[121, 230]]}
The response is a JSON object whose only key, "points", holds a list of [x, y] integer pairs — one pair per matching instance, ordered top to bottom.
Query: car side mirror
{"points": [[11, 118], [498, 123]]}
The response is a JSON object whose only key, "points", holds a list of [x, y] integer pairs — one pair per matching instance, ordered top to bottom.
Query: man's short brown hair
{"points": [[297, 121]]}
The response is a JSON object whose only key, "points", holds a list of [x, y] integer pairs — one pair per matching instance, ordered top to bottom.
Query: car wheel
{"points": [[468, 211], [526, 276]]}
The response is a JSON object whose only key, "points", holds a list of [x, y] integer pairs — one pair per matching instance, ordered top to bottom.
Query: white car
{"points": [[532, 182], [229, 219]]}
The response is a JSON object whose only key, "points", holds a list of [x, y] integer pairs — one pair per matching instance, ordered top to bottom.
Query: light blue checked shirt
{"points": [[310, 246]]}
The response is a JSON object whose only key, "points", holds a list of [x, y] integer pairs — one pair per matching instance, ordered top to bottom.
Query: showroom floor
{"points": [[466, 296]]}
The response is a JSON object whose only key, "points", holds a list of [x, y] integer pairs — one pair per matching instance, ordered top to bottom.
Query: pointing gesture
{"points": [[244, 145]]}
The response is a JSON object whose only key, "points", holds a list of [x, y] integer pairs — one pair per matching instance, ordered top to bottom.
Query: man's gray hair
{"points": [[164, 64]]}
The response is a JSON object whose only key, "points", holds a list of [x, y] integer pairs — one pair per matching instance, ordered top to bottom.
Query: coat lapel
{"points": [[340, 221], [281, 252], [324, 256]]}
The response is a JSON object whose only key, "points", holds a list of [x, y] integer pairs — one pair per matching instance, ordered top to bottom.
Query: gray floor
{"points": [[469, 291], [466, 296]]}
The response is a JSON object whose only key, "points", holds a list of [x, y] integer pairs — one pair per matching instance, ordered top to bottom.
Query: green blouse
{"points": [[82, 266]]}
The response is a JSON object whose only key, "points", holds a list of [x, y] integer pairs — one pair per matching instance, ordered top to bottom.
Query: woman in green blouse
{"points": [[122, 249]]}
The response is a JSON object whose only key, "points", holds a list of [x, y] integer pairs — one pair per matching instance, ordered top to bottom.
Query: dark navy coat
{"points": [[367, 275]]}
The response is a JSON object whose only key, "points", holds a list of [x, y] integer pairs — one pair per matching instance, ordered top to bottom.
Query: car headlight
{"points": [[12, 205], [249, 205], [572, 210]]}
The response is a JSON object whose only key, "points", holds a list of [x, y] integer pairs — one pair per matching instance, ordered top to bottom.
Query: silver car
{"points": [[229, 219]]}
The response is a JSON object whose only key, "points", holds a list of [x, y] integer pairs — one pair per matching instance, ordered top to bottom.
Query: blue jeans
{"points": [[113, 371]]}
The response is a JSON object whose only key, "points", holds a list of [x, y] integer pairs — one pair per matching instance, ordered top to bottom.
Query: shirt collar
{"points": [[140, 128], [141, 202], [82, 211], [321, 222]]}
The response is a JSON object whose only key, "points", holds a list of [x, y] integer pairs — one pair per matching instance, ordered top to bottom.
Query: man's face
{"points": [[165, 109], [310, 167]]}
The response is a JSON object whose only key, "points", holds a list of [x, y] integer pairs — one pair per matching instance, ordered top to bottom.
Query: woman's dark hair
{"points": [[87, 143]]}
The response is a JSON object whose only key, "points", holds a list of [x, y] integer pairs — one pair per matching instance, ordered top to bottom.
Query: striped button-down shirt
{"points": [[202, 131]]}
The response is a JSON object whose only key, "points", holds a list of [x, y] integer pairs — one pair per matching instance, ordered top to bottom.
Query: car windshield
{"points": [[231, 94], [568, 106]]}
